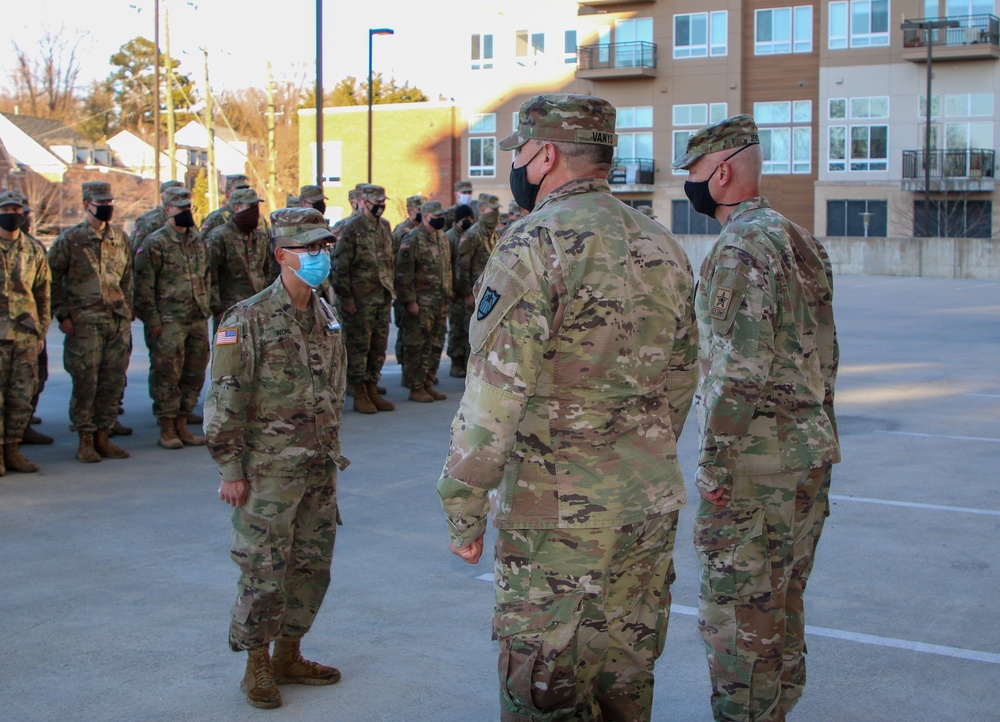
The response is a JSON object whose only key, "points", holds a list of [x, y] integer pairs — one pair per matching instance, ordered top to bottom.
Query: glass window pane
{"points": [[838, 26], [765, 28], [803, 29], [682, 30], [720, 32], [981, 104], [956, 105], [859, 107], [878, 107], [838, 108], [802, 111], [717, 112], [644, 116], [626, 117], [981, 135], [837, 142], [879, 142], [643, 145]]}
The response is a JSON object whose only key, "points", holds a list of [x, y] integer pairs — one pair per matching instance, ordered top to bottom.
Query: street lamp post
{"points": [[927, 26], [371, 33], [319, 93]]}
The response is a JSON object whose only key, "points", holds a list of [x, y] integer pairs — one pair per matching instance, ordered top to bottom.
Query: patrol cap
{"points": [[566, 118], [734, 132], [237, 181], [169, 184], [463, 186], [97, 191], [372, 192], [311, 194], [353, 194], [245, 195], [179, 197], [11, 198], [488, 200], [291, 201], [414, 201], [432, 208], [513, 208], [298, 227]]}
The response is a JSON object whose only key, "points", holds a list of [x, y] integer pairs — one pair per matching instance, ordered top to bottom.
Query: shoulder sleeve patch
{"points": [[500, 292], [726, 293]]}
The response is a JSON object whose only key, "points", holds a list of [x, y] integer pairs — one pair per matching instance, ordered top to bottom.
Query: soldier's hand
{"points": [[470, 301], [412, 308], [350, 309], [66, 326], [157, 331], [41, 344], [234, 493], [718, 497], [470, 553]]}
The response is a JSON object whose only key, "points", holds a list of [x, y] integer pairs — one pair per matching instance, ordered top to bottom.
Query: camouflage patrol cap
{"points": [[566, 118], [734, 132], [237, 181], [169, 184], [463, 186], [97, 191], [372, 192], [311, 194], [353, 194], [245, 195], [179, 197], [11, 198], [488, 200], [292, 201], [414, 201], [432, 208], [513, 208], [646, 210], [298, 227]]}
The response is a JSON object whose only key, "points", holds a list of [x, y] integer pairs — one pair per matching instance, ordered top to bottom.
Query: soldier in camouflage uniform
{"points": [[312, 197], [463, 197], [354, 200], [292, 201], [514, 213], [222, 215], [152, 220], [411, 221], [474, 249], [239, 254], [363, 279], [173, 289], [423, 289], [92, 301], [458, 312], [24, 321], [279, 356], [769, 356], [584, 363]]}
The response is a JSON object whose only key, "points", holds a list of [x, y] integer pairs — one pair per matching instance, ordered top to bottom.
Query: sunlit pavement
{"points": [[118, 586]]}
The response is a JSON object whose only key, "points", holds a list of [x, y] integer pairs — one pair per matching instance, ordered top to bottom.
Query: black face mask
{"points": [[524, 192], [699, 194], [320, 206], [378, 209], [104, 213], [418, 218], [184, 219], [247, 219], [10, 221], [436, 223], [465, 224]]}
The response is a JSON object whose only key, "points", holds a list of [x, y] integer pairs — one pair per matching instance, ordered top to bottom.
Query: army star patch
{"points": [[720, 302], [487, 303], [227, 336]]}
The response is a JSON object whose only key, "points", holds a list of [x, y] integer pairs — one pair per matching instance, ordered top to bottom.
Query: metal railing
{"points": [[971, 29], [610, 56], [954, 163], [632, 171]]}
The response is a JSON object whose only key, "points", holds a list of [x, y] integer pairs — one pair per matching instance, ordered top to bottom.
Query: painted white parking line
{"points": [[985, 396], [939, 436], [917, 505]]}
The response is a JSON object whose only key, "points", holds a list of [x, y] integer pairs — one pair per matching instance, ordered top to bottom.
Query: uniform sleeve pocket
{"points": [[499, 293], [725, 296], [732, 548]]}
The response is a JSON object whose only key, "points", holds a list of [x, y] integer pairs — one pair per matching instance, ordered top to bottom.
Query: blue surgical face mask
{"points": [[313, 269]]}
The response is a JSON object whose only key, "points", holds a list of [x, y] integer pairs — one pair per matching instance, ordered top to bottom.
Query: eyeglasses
{"points": [[313, 249]]}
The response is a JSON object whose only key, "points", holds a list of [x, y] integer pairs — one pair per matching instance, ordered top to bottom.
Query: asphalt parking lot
{"points": [[119, 582]]}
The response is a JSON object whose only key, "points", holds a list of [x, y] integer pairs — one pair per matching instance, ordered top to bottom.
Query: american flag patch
{"points": [[227, 336]]}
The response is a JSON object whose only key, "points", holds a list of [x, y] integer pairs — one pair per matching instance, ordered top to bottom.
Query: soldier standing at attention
{"points": [[312, 197], [463, 197], [222, 215], [152, 220], [411, 221], [474, 249], [239, 254], [363, 279], [423, 288], [173, 289], [92, 301], [458, 312], [24, 321], [584, 347], [279, 356], [769, 360]]}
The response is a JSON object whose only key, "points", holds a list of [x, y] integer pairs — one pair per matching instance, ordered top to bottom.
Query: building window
{"points": [[859, 23], [783, 30], [698, 35], [633, 38], [529, 47], [569, 47], [482, 51], [695, 116], [483, 123], [785, 135], [862, 144], [331, 160], [482, 162], [847, 218], [684, 219], [953, 219]]}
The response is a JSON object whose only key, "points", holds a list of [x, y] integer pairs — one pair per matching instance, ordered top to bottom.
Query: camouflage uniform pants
{"points": [[398, 312], [459, 317], [366, 337], [423, 340], [96, 357], [177, 363], [43, 375], [18, 377], [283, 539], [756, 554], [581, 617]]}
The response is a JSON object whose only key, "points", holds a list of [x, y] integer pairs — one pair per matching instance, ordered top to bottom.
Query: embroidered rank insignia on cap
{"points": [[720, 302], [487, 303], [227, 336]]}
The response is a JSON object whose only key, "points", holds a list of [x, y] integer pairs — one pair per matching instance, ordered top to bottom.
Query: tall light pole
{"points": [[927, 26], [371, 33], [319, 92], [156, 93]]}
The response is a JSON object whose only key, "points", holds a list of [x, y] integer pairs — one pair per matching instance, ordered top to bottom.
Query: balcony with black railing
{"points": [[973, 37], [616, 60], [960, 170], [628, 174]]}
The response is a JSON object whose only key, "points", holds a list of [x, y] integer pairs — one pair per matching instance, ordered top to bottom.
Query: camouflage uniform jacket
{"points": [[216, 218], [147, 223], [338, 227], [399, 231], [474, 250], [362, 260], [241, 264], [423, 268], [91, 273], [172, 278], [25, 287], [769, 350], [584, 364], [277, 390]]}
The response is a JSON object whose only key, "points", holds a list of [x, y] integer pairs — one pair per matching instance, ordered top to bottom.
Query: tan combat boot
{"points": [[434, 393], [420, 394], [373, 395], [362, 404], [120, 429], [168, 434], [33, 436], [186, 437], [104, 447], [86, 451], [13, 460], [290, 667], [258, 682]]}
